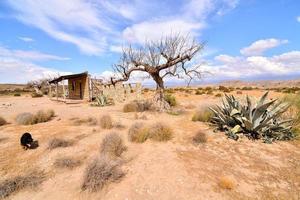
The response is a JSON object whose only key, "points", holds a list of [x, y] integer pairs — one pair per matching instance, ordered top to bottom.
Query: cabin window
{"points": [[73, 85]]}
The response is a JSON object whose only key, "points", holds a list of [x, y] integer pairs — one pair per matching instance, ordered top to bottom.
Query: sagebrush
{"points": [[39, 117], [106, 122], [138, 132], [112, 145], [100, 172]]}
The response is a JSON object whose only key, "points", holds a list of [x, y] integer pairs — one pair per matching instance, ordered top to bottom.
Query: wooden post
{"points": [[57, 91], [64, 91], [50, 92]]}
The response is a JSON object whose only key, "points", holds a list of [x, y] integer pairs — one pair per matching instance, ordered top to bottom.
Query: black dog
{"points": [[26, 141]]}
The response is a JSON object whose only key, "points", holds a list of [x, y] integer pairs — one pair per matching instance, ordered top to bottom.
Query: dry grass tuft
{"points": [[137, 106], [203, 115], [40, 117], [2, 121], [90, 121], [106, 122], [119, 125], [138, 132], [160, 132], [200, 137], [59, 143], [112, 145], [67, 162], [101, 172], [226, 183], [15, 184]]}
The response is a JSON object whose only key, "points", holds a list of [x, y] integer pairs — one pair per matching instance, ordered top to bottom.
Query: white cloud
{"points": [[298, 19], [139, 33], [26, 39], [260, 46], [116, 48], [28, 55], [231, 67], [23, 72]]}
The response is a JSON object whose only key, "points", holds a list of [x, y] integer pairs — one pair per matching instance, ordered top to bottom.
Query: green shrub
{"points": [[247, 88], [223, 89], [170, 99], [203, 115], [260, 120], [2, 121], [106, 122], [138, 132], [160, 132], [112, 145], [100, 172]]}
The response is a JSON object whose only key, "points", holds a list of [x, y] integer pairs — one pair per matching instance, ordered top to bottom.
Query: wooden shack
{"points": [[77, 87]]}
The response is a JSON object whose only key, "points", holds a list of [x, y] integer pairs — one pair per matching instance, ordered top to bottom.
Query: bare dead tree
{"points": [[168, 57]]}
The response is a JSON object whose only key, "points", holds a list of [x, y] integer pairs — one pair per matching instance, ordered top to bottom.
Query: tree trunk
{"points": [[159, 101]]}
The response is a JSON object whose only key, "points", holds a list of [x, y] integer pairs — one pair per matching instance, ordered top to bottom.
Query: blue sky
{"points": [[246, 39]]}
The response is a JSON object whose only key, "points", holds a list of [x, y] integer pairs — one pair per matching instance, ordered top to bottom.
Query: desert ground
{"points": [[176, 169]]}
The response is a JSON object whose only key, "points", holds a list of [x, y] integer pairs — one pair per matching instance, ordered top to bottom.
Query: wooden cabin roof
{"points": [[65, 77]]}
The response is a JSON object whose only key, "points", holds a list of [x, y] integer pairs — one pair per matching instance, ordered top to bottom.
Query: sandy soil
{"points": [[177, 169]]}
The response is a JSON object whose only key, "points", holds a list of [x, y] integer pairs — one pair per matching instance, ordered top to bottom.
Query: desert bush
{"points": [[208, 88], [247, 88], [223, 89], [199, 92], [209, 92], [239, 92], [17, 94], [36, 95], [218, 95], [170, 99], [130, 107], [202, 115], [43, 116], [40, 117], [25, 118], [260, 120], [2, 121], [90, 121], [106, 122], [119, 125], [138, 132], [160, 132], [200, 137], [59, 143], [112, 145], [67, 162], [100, 172], [226, 183], [15, 184]]}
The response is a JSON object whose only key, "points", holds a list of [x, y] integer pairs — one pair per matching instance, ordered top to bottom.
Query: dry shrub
{"points": [[239, 92], [36, 95], [170, 99], [137, 106], [130, 107], [203, 115], [43, 116], [39, 117], [25, 118], [2, 121], [91, 121], [106, 122], [119, 125], [138, 132], [160, 132], [200, 137], [59, 143], [112, 145], [67, 162], [100, 172], [226, 183], [15, 184]]}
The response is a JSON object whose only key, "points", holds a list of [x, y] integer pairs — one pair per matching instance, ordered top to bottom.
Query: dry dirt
{"points": [[177, 169]]}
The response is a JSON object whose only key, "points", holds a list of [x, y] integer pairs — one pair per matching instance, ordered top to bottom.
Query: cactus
{"points": [[257, 121]]}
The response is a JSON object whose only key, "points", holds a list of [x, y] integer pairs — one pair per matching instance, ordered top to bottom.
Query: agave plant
{"points": [[260, 120]]}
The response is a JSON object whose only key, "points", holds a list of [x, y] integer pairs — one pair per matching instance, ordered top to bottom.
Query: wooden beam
{"points": [[64, 90], [57, 91]]}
